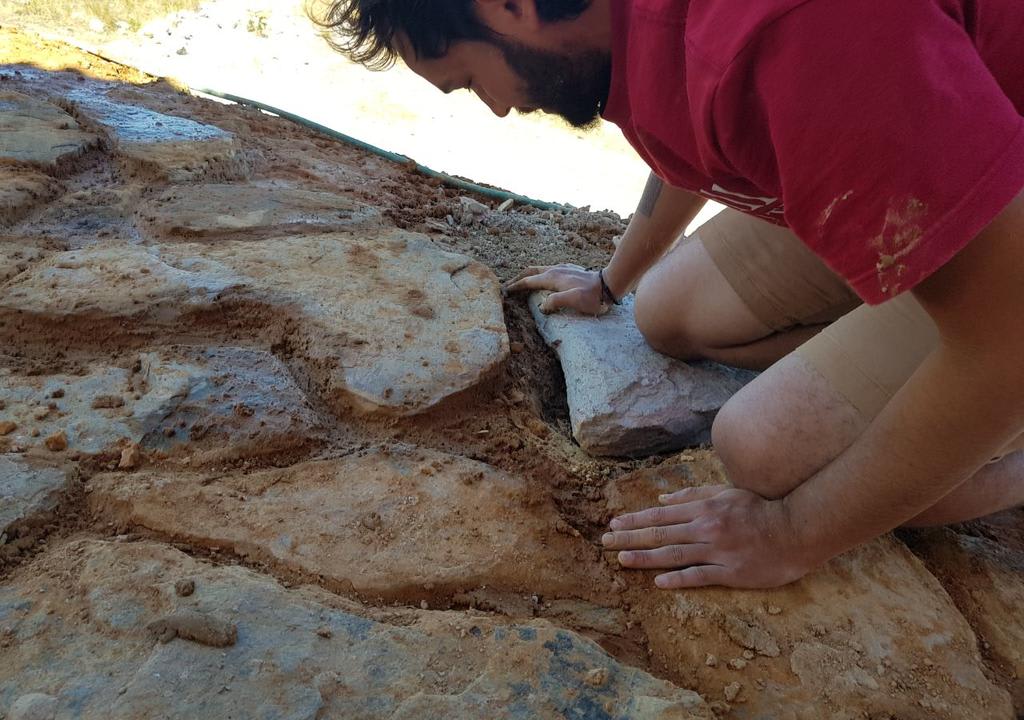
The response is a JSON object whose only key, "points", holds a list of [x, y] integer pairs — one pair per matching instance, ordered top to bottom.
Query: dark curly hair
{"points": [[364, 30]]}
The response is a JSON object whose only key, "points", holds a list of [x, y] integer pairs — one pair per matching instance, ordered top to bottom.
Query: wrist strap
{"points": [[606, 293]]}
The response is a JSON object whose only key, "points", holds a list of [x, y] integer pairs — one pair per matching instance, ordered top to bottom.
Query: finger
{"points": [[532, 270], [540, 281], [575, 298], [691, 494], [656, 516], [650, 538], [670, 556], [694, 577]]}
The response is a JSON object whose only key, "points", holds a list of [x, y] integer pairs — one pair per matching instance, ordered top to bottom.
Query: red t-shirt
{"points": [[886, 133]]}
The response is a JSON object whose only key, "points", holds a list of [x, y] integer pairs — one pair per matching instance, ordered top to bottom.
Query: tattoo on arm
{"points": [[651, 194]]}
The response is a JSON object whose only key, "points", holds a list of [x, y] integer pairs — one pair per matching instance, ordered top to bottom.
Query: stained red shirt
{"points": [[886, 134]]}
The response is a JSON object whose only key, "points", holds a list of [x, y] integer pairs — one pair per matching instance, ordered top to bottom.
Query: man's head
{"points": [[550, 55]]}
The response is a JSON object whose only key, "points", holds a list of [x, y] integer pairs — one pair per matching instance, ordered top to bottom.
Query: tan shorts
{"points": [[865, 353]]}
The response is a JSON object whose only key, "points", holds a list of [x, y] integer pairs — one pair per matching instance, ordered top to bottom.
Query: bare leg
{"points": [[686, 309], [789, 423]]}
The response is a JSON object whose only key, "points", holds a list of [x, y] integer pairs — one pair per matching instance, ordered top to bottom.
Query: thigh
{"points": [[773, 273], [685, 294]]}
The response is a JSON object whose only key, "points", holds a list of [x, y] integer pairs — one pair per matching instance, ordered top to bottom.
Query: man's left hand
{"points": [[713, 536]]}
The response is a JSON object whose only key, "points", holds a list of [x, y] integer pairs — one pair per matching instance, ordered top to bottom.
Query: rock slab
{"points": [[36, 132], [173, 148], [255, 209], [385, 322], [625, 399], [214, 403], [27, 491], [399, 524], [986, 580], [872, 634], [298, 654]]}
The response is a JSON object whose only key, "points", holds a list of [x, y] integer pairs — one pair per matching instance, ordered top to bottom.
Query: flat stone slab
{"points": [[39, 133], [174, 148], [22, 189], [220, 210], [19, 254], [115, 281], [385, 321], [625, 399], [212, 404], [27, 490], [398, 524], [986, 581], [82, 626], [872, 634]]}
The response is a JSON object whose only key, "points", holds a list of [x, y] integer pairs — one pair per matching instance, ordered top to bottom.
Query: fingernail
{"points": [[666, 496], [615, 524], [607, 538], [625, 557], [661, 581]]}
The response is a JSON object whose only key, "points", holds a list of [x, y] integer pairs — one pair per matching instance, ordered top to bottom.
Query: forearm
{"points": [[662, 215], [961, 408]]}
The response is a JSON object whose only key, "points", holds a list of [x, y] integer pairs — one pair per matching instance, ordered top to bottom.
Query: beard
{"points": [[573, 87]]}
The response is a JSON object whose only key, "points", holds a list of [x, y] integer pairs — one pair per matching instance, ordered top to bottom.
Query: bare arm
{"points": [[662, 215], [962, 406]]}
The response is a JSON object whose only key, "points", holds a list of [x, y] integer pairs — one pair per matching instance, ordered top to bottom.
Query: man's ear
{"points": [[512, 18]]}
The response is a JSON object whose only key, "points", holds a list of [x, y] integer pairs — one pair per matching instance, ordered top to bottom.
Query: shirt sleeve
{"points": [[880, 126]]}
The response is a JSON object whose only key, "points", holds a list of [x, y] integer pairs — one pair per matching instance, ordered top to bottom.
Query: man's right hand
{"points": [[571, 287]]}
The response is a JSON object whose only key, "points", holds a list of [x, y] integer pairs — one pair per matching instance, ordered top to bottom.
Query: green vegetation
{"points": [[71, 13]]}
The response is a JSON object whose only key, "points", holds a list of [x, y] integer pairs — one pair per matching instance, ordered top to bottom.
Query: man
{"points": [[888, 138]]}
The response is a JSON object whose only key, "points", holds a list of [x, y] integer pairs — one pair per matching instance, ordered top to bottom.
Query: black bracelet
{"points": [[606, 293]]}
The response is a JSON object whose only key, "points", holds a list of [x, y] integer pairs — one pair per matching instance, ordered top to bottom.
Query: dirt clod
{"points": [[107, 402], [58, 442], [131, 456], [185, 587], [196, 627]]}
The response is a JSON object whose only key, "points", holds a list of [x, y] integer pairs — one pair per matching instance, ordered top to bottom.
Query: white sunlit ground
{"points": [[272, 53]]}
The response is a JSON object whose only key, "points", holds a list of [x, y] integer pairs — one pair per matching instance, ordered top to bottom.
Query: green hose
{"points": [[394, 157]]}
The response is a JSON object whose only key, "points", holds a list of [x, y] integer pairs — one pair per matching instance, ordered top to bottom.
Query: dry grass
{"points": [[69, 13]]}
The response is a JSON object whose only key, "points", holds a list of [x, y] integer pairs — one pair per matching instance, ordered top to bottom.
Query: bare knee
{"points": [[664, 330], [746, 452]]}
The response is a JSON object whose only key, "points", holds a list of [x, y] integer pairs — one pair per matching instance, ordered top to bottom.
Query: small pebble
{"points": [[57, 442], [130, 457], [371, 521], [185, 588], [711, 660], [737, 663], [597, 677], [732, 691]]}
